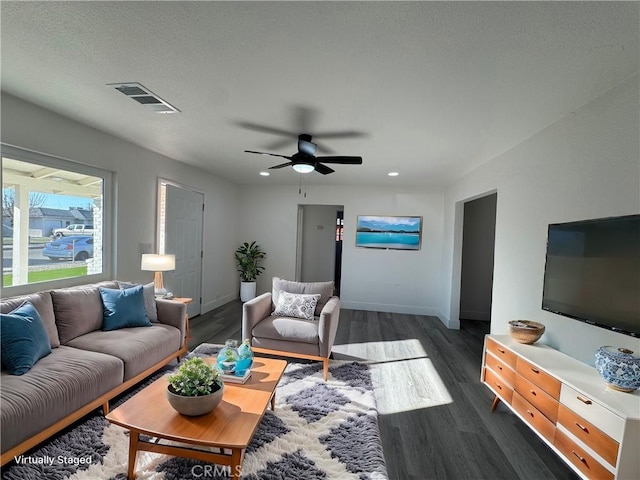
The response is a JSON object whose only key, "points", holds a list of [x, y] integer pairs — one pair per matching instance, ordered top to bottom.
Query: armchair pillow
{"points": [[325, 289], [296, 305], [123, 308], [24, 339]]}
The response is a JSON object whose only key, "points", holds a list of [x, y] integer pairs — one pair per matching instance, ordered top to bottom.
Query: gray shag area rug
{"points": [[319, 430]]}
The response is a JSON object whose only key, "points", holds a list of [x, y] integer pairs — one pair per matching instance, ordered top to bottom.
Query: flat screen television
{"points": [[592, 272]]}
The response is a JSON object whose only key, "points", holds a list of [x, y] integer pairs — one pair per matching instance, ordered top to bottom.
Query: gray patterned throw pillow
{"points": [[296, 305]]}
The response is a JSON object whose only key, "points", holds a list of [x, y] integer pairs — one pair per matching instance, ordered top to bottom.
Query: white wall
{"points": [[586, 165], [137, 171], [381, 280]]}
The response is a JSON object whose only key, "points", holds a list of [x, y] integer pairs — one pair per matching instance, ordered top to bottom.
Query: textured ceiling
{"points": [[435, 88]]}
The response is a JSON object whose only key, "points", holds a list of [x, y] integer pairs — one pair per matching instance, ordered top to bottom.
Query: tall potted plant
{"points": [[248, 258]]}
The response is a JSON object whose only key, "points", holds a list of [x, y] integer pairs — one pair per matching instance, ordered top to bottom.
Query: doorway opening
{"points": [[320, 235], [478, 247]]}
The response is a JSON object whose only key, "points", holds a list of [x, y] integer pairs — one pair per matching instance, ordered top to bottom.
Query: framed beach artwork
{"points": [[390, 233]]}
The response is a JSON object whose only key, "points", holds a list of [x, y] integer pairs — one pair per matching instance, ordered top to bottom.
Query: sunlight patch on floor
{"points": [[403, 375]]}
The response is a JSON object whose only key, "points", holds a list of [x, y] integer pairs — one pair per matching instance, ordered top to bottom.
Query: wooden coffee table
{"points": [[229, 427]]}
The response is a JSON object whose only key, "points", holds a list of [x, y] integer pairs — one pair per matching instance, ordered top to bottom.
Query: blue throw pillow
{"points": [[123, 308], [23, 339]]}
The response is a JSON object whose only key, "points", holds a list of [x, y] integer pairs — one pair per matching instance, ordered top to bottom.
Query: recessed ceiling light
{"points": [[265, 174], [393, 174]]}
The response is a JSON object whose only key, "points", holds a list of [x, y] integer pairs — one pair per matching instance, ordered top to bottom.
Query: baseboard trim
{"points": [[206, 307], [389, 307]]}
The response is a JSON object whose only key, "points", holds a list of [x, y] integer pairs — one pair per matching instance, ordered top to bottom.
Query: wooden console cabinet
{"points": [[594, 429]]}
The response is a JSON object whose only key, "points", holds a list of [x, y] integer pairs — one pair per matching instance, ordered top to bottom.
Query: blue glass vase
{"points": [[227, 358], [245, 358]]}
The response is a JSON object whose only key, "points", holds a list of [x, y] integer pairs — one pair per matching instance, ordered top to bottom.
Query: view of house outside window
{"points": [[52, 222]]}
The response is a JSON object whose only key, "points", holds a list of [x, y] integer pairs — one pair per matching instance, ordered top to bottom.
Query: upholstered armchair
{"points": [[295, 319]]}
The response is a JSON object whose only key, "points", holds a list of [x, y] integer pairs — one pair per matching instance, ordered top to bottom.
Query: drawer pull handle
{"points": [[500, 350], [499, 367], [534, 370], [499, 386], [532, 392], [584, 400], [530, 413], [582, 427], [582, 459]]}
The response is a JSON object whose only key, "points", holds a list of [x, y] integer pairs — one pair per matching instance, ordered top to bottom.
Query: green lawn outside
{"points": [[45, 275]]}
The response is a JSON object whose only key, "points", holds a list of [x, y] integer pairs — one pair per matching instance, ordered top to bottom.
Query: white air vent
{"points": [[144, 96]]}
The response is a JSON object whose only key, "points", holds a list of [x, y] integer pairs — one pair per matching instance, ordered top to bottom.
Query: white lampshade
{"points": [[303, 168], [158, 262]]}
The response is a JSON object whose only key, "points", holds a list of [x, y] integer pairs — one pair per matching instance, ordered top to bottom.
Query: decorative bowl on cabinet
{"points": [[526, 331]]}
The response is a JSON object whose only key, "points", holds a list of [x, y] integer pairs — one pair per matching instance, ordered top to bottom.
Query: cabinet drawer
{"points": [[506, 355], [501, 369], [538, 377], [498, 385], [537, 397], [593, 412], [533, 416], [600, 442], [581, 459]]}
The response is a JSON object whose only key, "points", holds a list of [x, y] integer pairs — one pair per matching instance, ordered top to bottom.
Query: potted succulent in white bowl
{"points": [[248, 258], [196, 388]]}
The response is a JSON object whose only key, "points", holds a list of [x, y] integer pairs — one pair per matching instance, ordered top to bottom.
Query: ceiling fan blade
{"points": [[265, 129], [342, 134], [270, 154], [342, 160], [282, 165], [323, 169]]}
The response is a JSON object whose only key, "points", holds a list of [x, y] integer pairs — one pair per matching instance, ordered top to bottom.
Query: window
{"points": [[54, 219]]}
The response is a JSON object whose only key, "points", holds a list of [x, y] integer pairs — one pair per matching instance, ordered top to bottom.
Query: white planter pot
{"points": [[247, 291]]}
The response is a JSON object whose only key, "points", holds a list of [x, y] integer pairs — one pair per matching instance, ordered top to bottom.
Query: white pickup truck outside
{"points": [[73, 229]]}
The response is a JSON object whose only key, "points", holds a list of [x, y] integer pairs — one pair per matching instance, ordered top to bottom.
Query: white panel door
{"points": [[183, 238]]}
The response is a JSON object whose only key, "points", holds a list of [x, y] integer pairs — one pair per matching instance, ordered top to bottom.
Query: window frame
{"points": [[108, 223]]}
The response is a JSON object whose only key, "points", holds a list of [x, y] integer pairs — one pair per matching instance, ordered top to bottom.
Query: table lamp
{"points": [[158, 263]]}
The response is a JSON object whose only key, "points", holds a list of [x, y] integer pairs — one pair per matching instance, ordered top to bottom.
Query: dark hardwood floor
{"points": [[435, 419]]}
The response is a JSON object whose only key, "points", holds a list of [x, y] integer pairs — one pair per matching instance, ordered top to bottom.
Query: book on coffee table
{"points": [[231, 378]]}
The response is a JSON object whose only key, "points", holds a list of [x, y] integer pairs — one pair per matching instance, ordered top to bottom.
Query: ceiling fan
{"points": [[305, 160]]}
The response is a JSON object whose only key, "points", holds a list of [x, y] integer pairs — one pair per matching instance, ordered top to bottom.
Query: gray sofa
{"points": [[86, 367]]}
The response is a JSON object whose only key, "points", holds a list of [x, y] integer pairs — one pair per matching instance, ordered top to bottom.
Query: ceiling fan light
{"points": [[303, 168]]}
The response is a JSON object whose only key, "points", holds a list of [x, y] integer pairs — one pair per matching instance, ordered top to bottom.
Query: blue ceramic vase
{"points": [[245, 358], [619, 367]]}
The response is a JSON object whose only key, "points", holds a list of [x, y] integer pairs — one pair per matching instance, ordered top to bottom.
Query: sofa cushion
{"points": [[325, 289], [149, 294], [43, 304], [297, 305], [123, 308], [78, 311], [287, 329], [23, 339], [139, 347], [56, 386]]}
